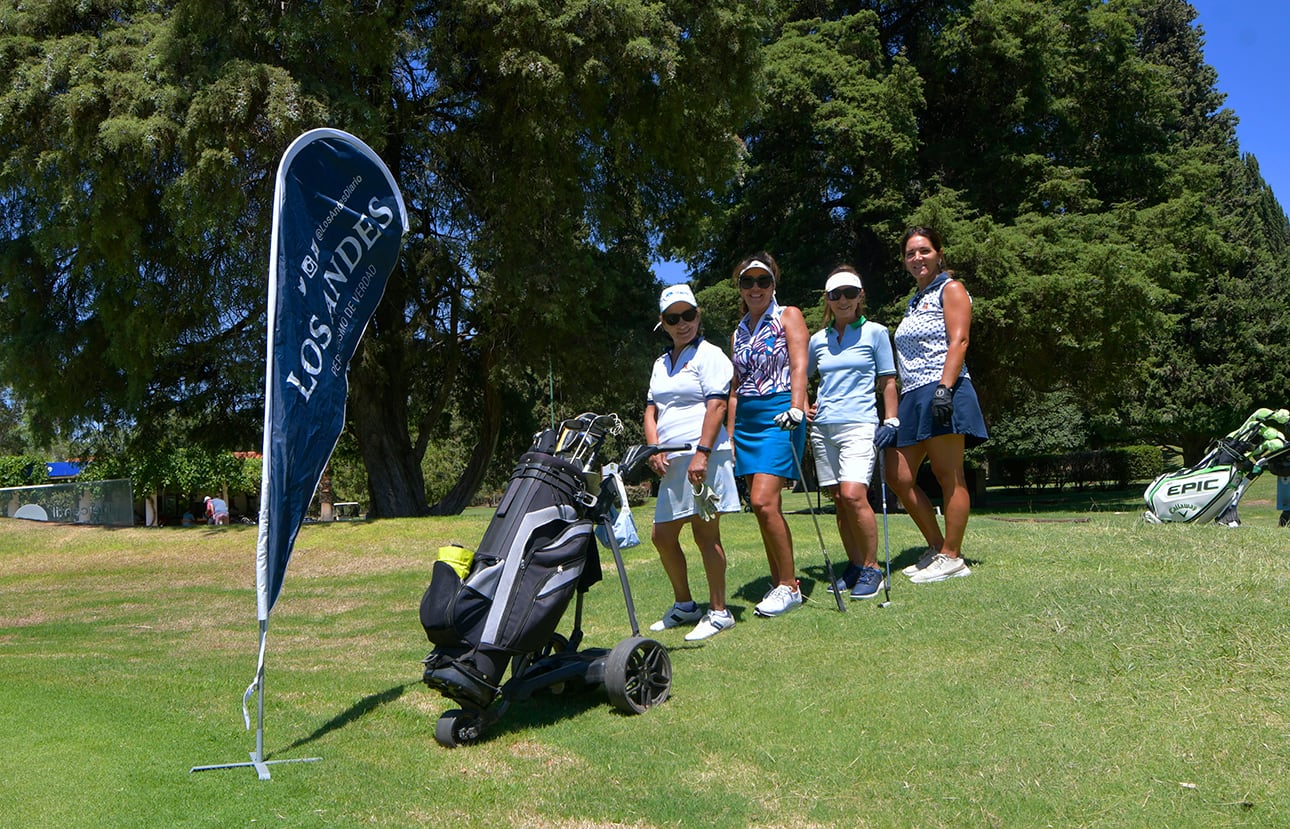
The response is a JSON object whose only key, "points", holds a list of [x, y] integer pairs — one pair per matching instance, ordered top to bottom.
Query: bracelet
{"points": [[707, 450]]}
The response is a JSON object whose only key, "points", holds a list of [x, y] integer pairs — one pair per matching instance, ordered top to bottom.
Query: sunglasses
{"points": [[763, 281], [850, 292], [688, 315]]}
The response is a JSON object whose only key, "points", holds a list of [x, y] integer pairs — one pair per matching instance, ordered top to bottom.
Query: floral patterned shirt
{"points": [[761, 355]]}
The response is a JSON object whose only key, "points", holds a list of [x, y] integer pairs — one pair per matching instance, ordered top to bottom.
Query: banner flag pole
{"points": [[338, 224]]}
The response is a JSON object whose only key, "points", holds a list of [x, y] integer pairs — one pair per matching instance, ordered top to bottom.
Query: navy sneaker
{"points": [[850, 577], [869, 584]]}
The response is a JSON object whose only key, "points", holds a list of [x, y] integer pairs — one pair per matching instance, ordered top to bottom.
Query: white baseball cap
{"points": [[673, 294]]}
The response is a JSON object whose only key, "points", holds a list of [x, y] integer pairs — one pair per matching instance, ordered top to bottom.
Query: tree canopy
{"points": [[1089, 186], [1119, 248]]}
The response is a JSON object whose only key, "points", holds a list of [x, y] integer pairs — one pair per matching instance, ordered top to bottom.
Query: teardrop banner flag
{"points": [[338, 224]]}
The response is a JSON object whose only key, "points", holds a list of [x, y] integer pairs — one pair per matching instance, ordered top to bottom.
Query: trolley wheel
{"points": [[556, 644], [638, 674], [457, 728]]}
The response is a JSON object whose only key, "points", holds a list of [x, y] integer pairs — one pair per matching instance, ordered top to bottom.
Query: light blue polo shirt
{"points": [[849, 367]]}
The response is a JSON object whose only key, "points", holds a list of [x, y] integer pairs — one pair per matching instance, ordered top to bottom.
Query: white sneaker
{"points": [[924, 560], [942, 567], [779, 601], [676, 616], [711, 624]]}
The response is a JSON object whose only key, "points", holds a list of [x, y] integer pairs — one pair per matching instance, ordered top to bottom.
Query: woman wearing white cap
{"points": [[853, 357], [688, 391], [767, 404]]}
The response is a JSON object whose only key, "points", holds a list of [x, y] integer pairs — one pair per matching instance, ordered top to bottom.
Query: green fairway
{"points": [[1094, 671]]}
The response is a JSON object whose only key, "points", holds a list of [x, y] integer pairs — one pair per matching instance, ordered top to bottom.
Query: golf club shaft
{"points": [[886, 543], [828, 565]]}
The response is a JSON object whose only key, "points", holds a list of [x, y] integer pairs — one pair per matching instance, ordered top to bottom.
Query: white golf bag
{"points": [[1211, 489]]}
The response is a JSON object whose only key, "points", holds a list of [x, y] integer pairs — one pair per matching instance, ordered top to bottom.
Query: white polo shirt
{"points": [[681, 391]]}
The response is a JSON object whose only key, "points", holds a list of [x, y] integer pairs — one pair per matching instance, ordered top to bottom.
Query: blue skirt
{"points": [[915, 415], [760, 445]]}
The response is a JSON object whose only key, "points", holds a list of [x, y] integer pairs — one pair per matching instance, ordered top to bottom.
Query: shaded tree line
{"points": [[1120, 249]]}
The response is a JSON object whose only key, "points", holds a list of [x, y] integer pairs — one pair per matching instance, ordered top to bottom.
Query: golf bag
{"points": [[1211, 489], [538, 550]]}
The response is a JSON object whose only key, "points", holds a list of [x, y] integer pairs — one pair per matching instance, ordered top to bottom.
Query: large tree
{"points": [[544, 149], [1093, 198]]}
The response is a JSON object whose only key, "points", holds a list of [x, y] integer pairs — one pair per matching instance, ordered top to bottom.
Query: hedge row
{"points": [[1120, 467], [22, 470]]}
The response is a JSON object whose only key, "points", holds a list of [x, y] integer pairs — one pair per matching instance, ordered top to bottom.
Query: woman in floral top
{"points": [[767, 404]]}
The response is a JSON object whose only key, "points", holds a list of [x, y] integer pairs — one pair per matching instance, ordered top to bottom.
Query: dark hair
{"points": [[931, 235], [760, 256], [828, 309]]}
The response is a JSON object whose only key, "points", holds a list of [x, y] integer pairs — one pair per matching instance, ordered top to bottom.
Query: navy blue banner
{"points": [[338, 224]]}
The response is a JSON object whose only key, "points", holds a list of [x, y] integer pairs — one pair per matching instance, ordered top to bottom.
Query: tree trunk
{"points": [[378, 406], [490, 426]]}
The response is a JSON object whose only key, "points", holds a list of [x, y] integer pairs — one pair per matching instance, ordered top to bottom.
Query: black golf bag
{"points": [[539, 548]]}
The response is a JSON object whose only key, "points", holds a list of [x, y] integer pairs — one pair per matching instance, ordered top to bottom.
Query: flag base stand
{"points": [[256, 687], [261, 766]]}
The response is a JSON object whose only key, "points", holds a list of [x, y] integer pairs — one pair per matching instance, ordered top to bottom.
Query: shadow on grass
{"points": [[353, 714]]}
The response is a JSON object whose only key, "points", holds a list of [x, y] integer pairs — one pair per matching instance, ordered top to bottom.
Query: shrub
{"points": [[1118, 466], [22, 470]]}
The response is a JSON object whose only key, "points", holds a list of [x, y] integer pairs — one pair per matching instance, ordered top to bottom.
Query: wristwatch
{"points": [[707, 450]]}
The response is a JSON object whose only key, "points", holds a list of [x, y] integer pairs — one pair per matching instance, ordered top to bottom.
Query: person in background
{"points": [[853, 358], [688, 392], [767, 404], [939, 414], [216, 511]]}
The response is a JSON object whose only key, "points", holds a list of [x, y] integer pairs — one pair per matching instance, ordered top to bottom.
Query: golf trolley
{"points": [[1211, 489], [538, 552]]}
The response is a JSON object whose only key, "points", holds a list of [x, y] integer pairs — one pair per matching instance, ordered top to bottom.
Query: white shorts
{"points": [[843, 452], [676, 497]]}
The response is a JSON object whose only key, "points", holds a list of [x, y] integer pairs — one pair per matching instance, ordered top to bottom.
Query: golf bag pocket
{"points": [[544, 588], [450, 608]]}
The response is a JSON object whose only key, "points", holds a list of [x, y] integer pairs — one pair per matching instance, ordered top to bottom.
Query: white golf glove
{"points": [[790, 418], [705, 501]]}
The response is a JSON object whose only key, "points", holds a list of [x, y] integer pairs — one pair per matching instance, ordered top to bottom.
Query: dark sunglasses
{"points": [[763, 281], [850, 292], [688, 315]]}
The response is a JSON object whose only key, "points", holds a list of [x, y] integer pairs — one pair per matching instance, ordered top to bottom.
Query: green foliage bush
{"points": [[1118, 466], [22, 470]]}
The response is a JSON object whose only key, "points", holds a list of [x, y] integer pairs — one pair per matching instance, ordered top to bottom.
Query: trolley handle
{"points": [[635, 457]]}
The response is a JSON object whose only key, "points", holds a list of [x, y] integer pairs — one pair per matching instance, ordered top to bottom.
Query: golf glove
{"points": [[942, 406], [790, 418], [885, 436], [705, 501]]}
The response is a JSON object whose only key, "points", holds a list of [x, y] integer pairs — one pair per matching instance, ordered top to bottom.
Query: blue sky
{"points": [[1243, 42]]}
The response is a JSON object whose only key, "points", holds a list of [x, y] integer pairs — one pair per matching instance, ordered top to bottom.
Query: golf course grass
{"points": [[1093, 671]]}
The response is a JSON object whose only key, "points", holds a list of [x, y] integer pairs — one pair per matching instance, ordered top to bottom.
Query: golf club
{"points": [[886, 543], [828, 565]]}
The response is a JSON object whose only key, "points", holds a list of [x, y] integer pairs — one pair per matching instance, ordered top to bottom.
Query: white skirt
{"points": [[676, 497]]}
